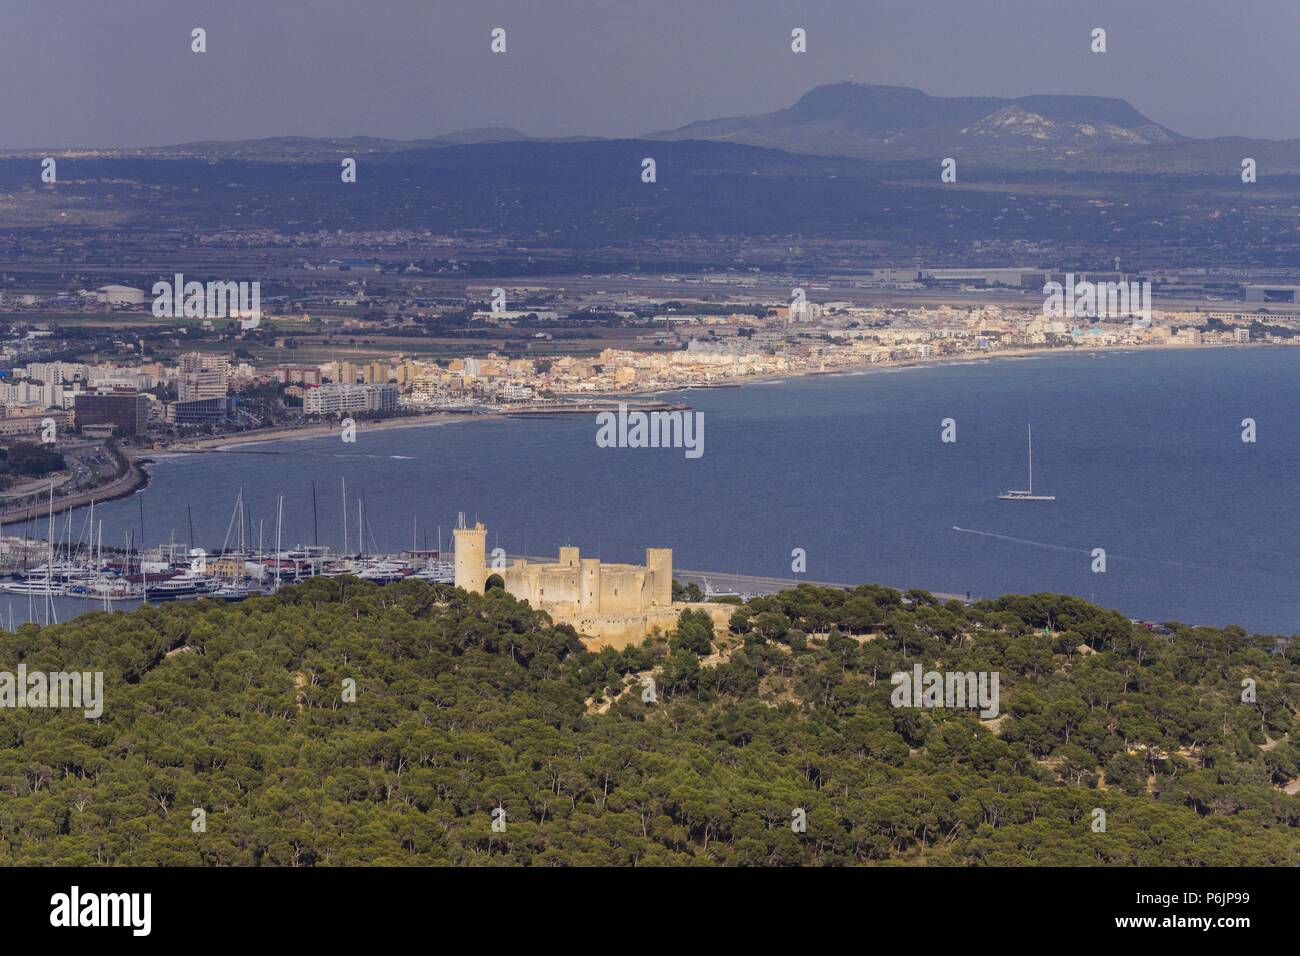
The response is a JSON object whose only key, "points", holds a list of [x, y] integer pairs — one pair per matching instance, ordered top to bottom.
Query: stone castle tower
{"points": [[471, 556]]}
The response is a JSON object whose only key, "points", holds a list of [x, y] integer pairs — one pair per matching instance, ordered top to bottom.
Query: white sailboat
{"points": [[1027, 495], [711, 593]]}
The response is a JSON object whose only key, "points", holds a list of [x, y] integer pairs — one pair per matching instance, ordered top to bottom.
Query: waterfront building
{"points": [[345, 399], [201, 411], [128, 412]]}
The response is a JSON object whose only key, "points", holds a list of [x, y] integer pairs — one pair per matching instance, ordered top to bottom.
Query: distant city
{"points": [[163, 382]]}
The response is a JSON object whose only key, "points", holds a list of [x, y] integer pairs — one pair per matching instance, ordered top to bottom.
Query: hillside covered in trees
{"points": [[466, 703]]}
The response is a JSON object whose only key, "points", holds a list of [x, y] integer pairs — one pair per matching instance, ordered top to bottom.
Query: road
{"points": [[79, 458]]}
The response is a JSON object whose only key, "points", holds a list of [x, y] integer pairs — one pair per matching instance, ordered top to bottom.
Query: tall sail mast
{"points": [[1031, 458], [279, 524], [49, 566]]}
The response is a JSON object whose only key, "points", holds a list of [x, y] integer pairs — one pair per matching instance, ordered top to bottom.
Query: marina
{"points": [[81, 567]]}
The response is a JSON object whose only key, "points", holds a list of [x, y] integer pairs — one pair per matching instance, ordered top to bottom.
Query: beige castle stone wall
{"points": [[598, 588], [612, 605], [620, 631]]}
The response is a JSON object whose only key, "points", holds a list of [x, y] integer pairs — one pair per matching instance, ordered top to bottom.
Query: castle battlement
{"points": [[571, 583], [610, 605]]}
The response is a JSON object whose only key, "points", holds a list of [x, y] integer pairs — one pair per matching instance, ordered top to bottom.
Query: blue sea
{"points": [[1143, 451]]}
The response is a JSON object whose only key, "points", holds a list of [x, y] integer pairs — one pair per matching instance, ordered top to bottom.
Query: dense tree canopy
{"points": [[28, 460], [467, 703]]}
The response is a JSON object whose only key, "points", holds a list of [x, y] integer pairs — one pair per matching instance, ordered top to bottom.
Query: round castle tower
{"points": [[471, 556]]}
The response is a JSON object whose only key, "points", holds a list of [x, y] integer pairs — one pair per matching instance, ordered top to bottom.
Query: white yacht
{"points": [[1027, 495], [185, 584], [32, 585]]}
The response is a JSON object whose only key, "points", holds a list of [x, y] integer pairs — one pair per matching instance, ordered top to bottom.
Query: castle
{"points": [[609, 604]]}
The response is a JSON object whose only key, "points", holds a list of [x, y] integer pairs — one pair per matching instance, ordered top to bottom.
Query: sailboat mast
{"points": [[1031, 458], [279, 524], [49, 567]]}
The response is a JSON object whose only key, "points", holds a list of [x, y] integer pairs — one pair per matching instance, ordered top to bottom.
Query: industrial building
{"points": [[1273, 293], [119, 295]]}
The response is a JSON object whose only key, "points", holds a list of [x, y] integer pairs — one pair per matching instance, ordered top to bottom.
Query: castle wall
{"points": [[520, 581], [556, 585], [621, 590], [609, 604], [624, 630]]}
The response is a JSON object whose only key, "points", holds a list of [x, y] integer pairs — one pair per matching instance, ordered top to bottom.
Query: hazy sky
{"points": [[120, 72]]}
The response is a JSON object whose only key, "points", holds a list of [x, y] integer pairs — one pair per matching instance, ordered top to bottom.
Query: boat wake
{"points": [[1036, 544], [1087, 551]]}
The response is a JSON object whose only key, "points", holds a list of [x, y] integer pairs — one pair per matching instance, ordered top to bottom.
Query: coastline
{"points": [[938, 360], [323, 429], [319, 430], [294, 432], [137, 476]]}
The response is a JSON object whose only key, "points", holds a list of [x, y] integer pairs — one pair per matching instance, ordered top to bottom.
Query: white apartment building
{"points": [[209, 383], [32, 395], [342, 399]]}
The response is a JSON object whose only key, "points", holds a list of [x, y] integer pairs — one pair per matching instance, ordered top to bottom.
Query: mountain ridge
{"points": [[893, 122]]}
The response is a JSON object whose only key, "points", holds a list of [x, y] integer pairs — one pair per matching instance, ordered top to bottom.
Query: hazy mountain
{"points": [[897, 122], [1056, 133], [845, 162]]}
